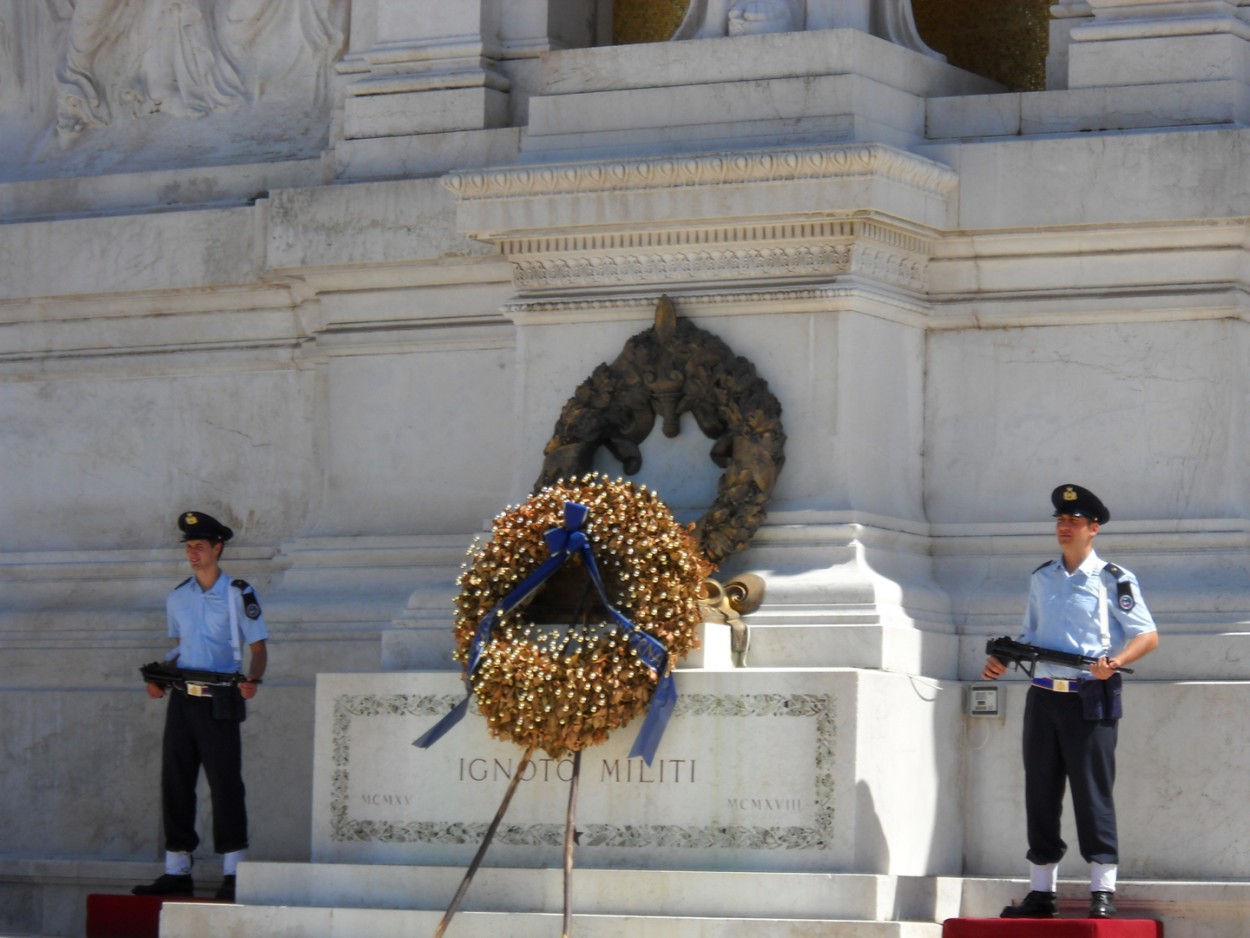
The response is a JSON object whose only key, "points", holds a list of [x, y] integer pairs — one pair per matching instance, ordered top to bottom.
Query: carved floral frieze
{"points": [[835, 249], [807, 260]]}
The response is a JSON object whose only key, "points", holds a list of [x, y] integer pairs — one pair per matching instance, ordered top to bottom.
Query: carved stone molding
{"points": [[883, 162], [803, 215], [809, 251], [752, 263], [860, 296]]}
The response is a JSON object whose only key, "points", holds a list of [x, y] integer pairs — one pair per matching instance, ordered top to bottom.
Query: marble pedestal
{"points": [[759, 770]]}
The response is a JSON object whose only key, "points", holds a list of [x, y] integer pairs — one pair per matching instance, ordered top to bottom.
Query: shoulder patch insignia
{"points": [[1123, 587], [251, 605]]}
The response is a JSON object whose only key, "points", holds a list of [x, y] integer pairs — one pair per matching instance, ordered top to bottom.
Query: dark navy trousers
{"points": [[194, 739], [1062, 747]]}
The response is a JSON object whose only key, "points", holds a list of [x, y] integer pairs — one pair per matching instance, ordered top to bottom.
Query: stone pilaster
{"points": [[1153, 42], [423, 66]]}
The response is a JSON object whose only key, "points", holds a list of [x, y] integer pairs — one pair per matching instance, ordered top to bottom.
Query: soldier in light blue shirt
{"points": [[1081, 604], [212, 618]]}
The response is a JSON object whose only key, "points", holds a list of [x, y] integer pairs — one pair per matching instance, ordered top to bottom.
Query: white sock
{"points": [[230, 862], [177, 863], [1044, 877], [1102, 877]]}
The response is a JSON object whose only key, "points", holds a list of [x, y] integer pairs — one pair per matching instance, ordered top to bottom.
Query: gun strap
{"points": [[1104, 627], [236, 637]]}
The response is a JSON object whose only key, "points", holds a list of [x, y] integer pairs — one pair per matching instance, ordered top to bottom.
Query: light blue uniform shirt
{"points": [[1064, 613], [200, 621]]}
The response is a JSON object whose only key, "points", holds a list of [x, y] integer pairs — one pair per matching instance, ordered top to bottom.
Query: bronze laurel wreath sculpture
{"points": [[669, 370]]}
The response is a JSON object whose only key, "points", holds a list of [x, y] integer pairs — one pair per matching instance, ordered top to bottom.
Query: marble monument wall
{"points": [[348, 333]]}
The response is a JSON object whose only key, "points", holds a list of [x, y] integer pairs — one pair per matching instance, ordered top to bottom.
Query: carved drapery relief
{"points": [[887, 19], [186, 58]]}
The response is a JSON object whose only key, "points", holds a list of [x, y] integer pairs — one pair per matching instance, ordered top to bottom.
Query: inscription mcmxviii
{"points": [[815, 833]]}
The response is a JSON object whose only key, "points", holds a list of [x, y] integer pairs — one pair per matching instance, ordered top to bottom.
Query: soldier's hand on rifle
{"points": [[1104, 667], [994, 669], [155, 691]]}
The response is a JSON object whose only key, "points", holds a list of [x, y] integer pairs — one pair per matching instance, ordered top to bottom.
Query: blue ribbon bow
{"points": [[563, 543]]}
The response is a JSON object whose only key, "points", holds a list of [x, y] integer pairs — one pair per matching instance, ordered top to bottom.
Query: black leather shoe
{"points": [[167, 885], [225, 891], [1035, 905], [1100, 905]]}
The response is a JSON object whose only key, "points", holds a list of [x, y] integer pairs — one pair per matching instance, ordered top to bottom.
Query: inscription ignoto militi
{"points": [[485, 769], [778, 806]]}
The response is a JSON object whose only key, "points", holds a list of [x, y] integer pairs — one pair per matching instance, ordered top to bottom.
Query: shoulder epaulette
{"points": [[1042, 566], [182, 584], [1123, 587], [251, 605]]}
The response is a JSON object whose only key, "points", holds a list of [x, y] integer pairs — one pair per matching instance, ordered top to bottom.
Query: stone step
{"points": [[626, 893], [332, 900], [125, 916], [205, 921]]}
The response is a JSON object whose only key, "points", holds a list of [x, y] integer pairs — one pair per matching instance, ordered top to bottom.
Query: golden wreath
{"points": [[558, 672]]}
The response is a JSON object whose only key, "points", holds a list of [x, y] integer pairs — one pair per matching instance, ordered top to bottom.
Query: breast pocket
{"points": [[1078, 601]]}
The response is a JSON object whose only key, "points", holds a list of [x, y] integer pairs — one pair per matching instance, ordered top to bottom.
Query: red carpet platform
{"points": [[110, 916], [1051, 928]]}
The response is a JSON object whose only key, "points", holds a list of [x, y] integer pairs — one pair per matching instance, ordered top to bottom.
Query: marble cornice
{"points": [[717, 169], [849, 210]]}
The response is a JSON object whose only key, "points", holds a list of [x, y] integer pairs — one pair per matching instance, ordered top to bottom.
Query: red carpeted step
{"points": [[113, 916], [1051, 928]]}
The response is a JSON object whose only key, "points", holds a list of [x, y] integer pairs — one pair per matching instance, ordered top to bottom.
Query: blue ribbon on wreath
{"points": [[564, 543]]}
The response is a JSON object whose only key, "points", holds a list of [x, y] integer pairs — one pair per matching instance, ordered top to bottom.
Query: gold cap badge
{"points": [[1069, 494]]}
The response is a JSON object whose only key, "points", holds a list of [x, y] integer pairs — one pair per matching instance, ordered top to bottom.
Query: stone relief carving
{"points": [[743, 17], [886, 19], [186, 58]]}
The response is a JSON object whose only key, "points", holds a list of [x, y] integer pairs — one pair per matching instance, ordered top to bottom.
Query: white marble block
{"points": [[763, 769]]}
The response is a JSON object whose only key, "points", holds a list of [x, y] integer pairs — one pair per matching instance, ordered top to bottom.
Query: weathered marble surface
{"points": [[356, 353]]}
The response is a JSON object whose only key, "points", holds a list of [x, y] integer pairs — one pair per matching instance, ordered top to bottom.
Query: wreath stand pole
{"points": [[570, 838], [481, 851]]}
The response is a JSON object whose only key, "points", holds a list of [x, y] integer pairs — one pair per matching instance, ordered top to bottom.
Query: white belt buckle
{"points": [[1061, 686], [198, 690]]}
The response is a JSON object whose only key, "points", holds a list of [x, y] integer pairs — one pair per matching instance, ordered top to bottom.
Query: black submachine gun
{"points": [[1025, 657], [166, 675]]}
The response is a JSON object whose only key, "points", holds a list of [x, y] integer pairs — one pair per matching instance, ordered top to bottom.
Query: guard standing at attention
{"points": [[1077, 603], [211, 617]]}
